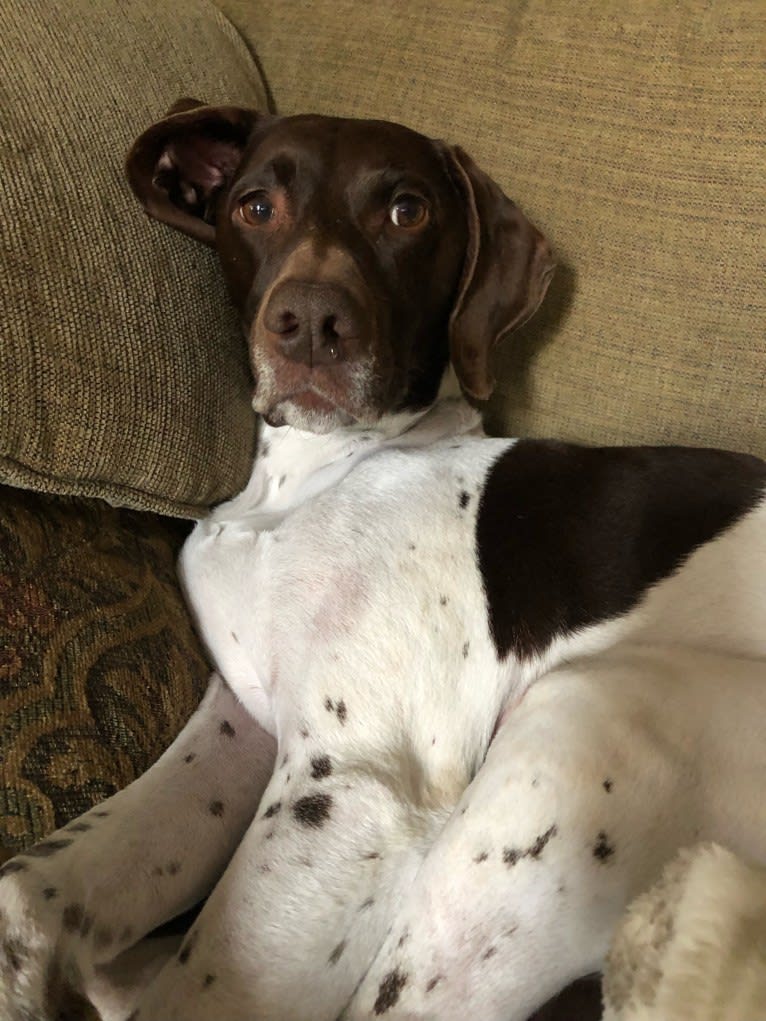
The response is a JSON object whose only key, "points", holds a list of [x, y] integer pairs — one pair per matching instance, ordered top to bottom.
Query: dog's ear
{"points": [[179, 166], [508, 266]]}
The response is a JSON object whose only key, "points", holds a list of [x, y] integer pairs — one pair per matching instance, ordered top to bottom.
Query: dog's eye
{"points": [[257, 209], [408, 211]]}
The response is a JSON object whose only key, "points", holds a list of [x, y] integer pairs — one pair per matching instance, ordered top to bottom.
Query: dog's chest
{"points": [[365, 600]]}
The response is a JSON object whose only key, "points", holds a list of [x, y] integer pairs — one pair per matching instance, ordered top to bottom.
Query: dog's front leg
{"points": [[102, 882], [291, 927]]}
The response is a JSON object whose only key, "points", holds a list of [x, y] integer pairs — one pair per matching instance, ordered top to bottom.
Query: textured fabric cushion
{"points": [[633, 135], [122, 372], [99, 664]]}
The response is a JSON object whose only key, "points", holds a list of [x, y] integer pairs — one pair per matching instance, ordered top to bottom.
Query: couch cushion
{"points": [[634, 136], [122, 373], [99, 663]]}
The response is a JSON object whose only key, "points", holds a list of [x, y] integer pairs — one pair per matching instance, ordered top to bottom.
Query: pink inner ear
{"points": [[207, 163]]}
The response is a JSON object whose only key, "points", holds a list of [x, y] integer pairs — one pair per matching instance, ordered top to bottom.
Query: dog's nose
{"points": [[315, 324]]}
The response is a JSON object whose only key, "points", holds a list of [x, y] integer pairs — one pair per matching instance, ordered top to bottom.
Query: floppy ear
{"points": [[179, 166], [508, 267]]}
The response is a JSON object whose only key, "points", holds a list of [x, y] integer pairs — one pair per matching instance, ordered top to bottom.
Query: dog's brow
{"points": [[381, 181]]}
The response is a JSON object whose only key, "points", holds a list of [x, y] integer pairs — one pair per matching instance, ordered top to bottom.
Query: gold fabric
{"points": [[633, 134], [122, 371], [99, 663]]}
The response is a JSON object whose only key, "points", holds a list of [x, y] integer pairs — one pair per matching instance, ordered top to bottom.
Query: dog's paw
{"points": [[34, 979]]}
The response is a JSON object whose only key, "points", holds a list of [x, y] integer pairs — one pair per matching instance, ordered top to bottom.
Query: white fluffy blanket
{"points": [[694, 947]]}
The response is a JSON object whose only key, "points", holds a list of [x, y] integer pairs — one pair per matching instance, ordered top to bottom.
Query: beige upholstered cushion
{"points": [[634, 135], [122, 373]]}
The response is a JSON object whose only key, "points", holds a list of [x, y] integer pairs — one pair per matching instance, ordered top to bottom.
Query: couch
{"points": [[633, 136]]}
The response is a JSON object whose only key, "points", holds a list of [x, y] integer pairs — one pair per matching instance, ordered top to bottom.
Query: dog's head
{"points": [[361, 255]]}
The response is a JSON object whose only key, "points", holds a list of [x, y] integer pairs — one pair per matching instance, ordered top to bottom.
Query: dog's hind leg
{"points": [[587, 789]]}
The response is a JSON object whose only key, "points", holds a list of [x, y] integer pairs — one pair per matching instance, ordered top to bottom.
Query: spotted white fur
{"points": [[404, 825]]}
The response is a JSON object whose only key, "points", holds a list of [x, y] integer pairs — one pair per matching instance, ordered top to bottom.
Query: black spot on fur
{"points": [[464, 499], [411, 547], [443, 600], [234, 636], [466, 647], [328, 704], [340, 711], [227, 730], [304, 733], [190, 757], [285, 760], [321, 767], [607, 785], [216, 808], [273, 810], [313, 810], [101, 814], [78, 827], [539, 845], [47, 848], [603, 850], [371, 855], [513, 855], [481, 857], [12, 866], [174, 868], [158, 871], [50, 892], [367, 904], [73, 917], [403, 938], [489, 953], [335, 956], [208, 981], [433, 983], [390, 990]]}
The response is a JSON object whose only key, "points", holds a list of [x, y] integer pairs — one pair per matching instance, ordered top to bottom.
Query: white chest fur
{"points": [[345, 574]]}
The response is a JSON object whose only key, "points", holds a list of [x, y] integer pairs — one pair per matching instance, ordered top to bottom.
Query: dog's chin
{"points": [[310, 412]]}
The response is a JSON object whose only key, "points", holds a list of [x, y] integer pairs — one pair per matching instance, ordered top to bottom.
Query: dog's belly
{"points": [[364, 608]]}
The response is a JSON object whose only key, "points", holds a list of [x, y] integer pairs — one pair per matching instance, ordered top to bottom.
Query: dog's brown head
{"points": [[361, 255]]}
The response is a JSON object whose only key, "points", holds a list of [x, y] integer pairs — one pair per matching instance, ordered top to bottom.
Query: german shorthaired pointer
{"points": [[471, 693]]}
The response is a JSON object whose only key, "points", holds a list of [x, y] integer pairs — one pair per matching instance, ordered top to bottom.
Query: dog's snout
{"points": [[313, 324]]}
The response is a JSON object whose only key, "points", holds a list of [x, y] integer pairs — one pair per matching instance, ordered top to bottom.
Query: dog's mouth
{"points": [[306, 408]]}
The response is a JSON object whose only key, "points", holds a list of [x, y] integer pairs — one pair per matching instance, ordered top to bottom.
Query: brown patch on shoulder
{"points": [[606, 523]]}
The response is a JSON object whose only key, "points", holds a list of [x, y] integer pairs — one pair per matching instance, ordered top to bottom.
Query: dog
{"points": [[471, 693]]}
